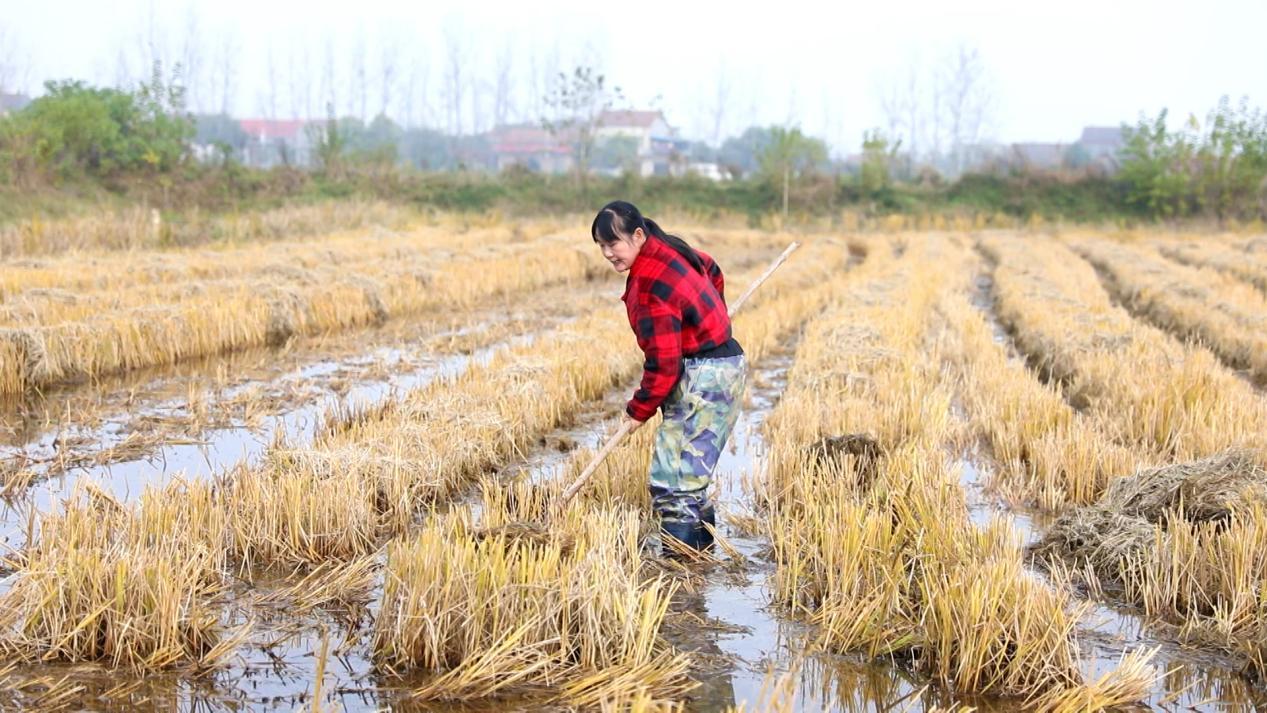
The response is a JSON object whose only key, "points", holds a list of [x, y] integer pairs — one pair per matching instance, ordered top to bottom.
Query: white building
{"points": [[658, 145]]}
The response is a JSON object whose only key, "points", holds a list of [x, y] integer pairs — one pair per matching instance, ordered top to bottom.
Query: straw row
{"points": [[142, 228], [1221, 254], [1202, 304], [157, 335], [1152, 391], [1050, 455], [382, 466], [1181, 540], [875, 547], [141, 586], [138, 587], [491, 610], [491, 614]]}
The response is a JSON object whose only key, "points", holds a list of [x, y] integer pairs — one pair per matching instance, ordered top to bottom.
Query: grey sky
{"points": [[1051, 67]]}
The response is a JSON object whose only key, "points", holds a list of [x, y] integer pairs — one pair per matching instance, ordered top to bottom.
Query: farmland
{"points": [[310, 468]]}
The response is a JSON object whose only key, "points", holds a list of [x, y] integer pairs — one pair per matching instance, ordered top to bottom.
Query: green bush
{"points": [[76, 130], [1218, 170]]}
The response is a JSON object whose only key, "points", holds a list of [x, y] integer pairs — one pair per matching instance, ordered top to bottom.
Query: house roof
{"points": [[13, 102], [629, 118], [273, 128], [1102, 135], [525, 139], [1042, 155]]}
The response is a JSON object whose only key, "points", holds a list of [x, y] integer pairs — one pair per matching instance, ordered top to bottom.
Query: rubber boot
{"points": [[709, 516], [691, 534]]}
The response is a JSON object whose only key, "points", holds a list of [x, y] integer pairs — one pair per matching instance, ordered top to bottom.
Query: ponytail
{"points": [[621, 218], [686, 251]]}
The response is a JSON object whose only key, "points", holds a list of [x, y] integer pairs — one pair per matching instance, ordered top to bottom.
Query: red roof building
{"points": [[270, 129]]}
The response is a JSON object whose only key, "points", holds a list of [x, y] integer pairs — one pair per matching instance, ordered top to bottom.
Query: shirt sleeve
{"points": [[658, 327]]}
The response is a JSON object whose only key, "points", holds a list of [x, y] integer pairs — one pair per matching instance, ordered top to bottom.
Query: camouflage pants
{"points": [[698, 417]]}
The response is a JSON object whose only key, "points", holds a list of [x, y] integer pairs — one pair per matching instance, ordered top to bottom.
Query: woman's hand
{"points": [[632, 423]]}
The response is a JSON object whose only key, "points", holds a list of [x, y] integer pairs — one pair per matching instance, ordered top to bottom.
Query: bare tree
{"points": [[191, 53], [12, 68], [122, 69], [227, 69], [388, 69], [542, 73], [360, 78], [455, 78], [299, 83], [274, 85], [503, 85], [416, 87], [478, 87], [329, 93], [967, 100], [721, 101], [577, 102], [911, 102], [892, 109], [936, 129]]}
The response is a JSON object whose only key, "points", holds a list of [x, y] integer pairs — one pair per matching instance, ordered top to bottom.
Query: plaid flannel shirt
{"points": [[674, 312]]}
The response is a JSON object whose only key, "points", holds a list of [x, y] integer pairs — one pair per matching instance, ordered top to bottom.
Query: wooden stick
{"points": [[764, 276], [627, 426], [584, 477]]}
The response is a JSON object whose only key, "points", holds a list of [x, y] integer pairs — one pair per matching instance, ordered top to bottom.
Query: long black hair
{"points": [[619, 219]]}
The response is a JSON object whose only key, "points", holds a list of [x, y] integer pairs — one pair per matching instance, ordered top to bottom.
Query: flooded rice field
{"points": [[367, 517]]}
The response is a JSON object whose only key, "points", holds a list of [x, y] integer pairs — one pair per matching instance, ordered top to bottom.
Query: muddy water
{"points": [[294, 392], [219, 449]]}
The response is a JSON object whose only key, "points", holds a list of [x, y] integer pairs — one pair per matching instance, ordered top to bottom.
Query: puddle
{"points": [[193, 422], [221, 449]]}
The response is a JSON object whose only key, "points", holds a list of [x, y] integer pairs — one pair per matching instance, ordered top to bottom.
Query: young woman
{"points": [[694, 370]]}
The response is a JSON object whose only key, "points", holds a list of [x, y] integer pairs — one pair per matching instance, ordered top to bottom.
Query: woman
{"points": [[694, 370]]}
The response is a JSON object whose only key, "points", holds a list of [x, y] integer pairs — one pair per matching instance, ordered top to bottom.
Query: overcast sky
{"points": [[1050, 68]]}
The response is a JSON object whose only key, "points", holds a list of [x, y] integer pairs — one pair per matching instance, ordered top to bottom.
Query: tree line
{"points": [[1216, 167]]}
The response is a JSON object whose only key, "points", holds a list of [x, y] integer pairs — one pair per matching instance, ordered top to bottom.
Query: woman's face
{"points": [[621, 253]]}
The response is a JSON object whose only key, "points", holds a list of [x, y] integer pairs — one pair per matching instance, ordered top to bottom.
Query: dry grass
{"points": [[138, 228], [1222, 254], [1202, 304], [48, 340], [1152, 392], [1051, 456], [373, 475], [1183, 540], [1186, 542], [879, 556], [890, 565], [128, 586], [585, 613], [492, 615]]}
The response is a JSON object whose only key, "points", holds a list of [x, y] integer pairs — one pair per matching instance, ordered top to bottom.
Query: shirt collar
{"points": [[652, 252]]}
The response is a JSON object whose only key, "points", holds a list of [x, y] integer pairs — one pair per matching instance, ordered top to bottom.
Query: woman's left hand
{"points": [[632, 423]]}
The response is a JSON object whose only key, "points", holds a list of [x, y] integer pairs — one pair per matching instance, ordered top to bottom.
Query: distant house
{"points": [[10, 103], [274, 142], [1101, 144], [529, 146], [659, 148], [1038, 156], [706, 169]]}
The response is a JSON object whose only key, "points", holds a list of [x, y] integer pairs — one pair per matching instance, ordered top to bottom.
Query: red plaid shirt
{"points": [[674, 312]]}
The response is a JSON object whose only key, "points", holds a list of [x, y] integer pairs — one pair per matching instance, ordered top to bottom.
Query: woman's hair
{"points": [[619, 219]]}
